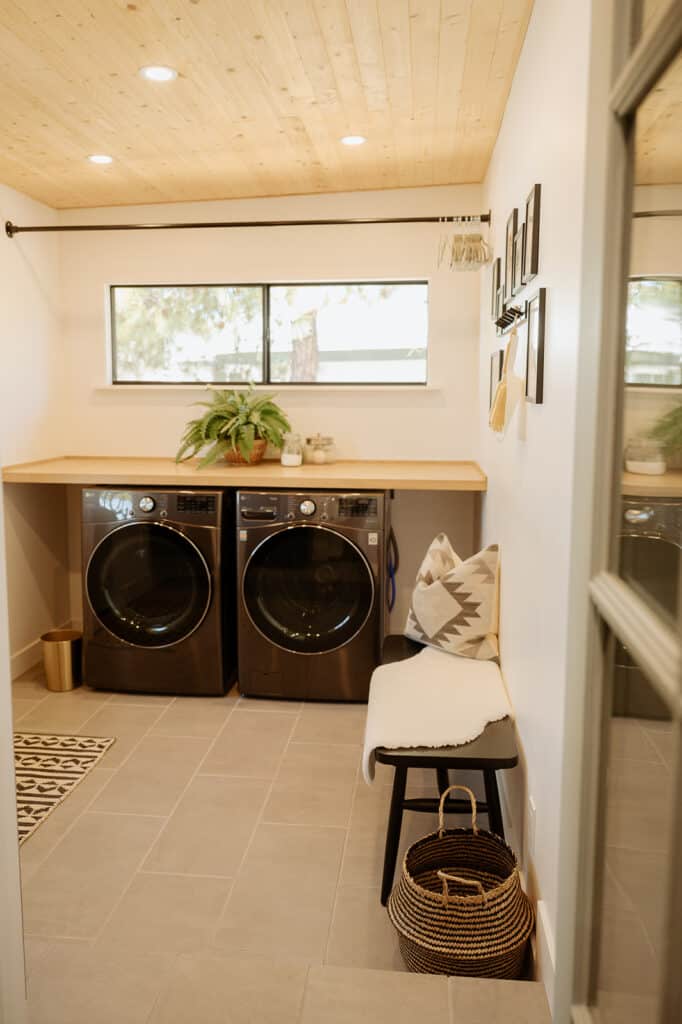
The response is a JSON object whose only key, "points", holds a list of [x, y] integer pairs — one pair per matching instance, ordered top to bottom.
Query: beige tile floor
{"points": [[222, 864]]}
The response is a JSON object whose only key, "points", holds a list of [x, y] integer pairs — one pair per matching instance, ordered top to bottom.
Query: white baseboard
{"points": [[21, 661], [543, 941], [545, 950]]}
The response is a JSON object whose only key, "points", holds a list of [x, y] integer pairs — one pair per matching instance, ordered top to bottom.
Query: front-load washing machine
{"points": [[310, 570], [155, 620]]}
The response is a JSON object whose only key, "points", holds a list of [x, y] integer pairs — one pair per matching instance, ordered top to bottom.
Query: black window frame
{"points": [[266, 381]]}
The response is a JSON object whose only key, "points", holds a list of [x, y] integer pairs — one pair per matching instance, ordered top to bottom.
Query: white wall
{"points": [[656, 250], [32, 412], [436, 424], [528, 505]]}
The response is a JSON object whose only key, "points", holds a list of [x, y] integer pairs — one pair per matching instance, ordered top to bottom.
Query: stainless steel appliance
{"points": [[651, 542], [310, 568], [154, 616]]}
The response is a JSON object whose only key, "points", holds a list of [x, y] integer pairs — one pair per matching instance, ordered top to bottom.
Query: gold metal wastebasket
{"points": [[62, 650]]}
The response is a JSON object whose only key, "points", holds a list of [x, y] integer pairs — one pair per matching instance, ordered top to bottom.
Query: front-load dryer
{"points": [[310, 569], [155, 620]]}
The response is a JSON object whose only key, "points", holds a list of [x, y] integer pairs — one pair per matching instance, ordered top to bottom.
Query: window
{"points": [[351, 333], [170, 334], [653, 354]]}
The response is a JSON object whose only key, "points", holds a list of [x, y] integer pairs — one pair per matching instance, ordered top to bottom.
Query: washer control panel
{"points": [[109, 504], [363, 509]]}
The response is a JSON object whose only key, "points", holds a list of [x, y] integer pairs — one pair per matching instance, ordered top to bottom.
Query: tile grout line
{"points": [[294, 721], [138, 870], [332, 916], [163, 988], [301, 1005]]}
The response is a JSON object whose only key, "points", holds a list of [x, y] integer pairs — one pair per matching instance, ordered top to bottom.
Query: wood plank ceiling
{"points": [[265, 91], [658, 131]]}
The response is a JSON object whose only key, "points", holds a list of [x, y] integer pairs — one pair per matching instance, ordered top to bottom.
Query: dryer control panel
{"points": [[123, 504], [363, 509]]}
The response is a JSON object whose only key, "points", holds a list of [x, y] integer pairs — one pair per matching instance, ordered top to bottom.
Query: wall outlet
{"points": [[531, 826]]}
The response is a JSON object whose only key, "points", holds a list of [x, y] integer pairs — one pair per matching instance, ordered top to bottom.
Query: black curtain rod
{"points": [[658, 213], [15, 229]]}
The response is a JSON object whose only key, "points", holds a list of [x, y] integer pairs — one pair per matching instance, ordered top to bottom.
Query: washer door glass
{"points": [[148, 584], [308, 589]]}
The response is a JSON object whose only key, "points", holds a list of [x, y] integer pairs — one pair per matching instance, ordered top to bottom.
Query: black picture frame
{"points": [[512, 227], [531, 256], [518, 257], [497, 270], [496, 360], [535, 365], [517, 367]]}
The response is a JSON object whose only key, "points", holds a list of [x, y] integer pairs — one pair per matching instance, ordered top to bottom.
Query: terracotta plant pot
{"points": [[257, 453]]}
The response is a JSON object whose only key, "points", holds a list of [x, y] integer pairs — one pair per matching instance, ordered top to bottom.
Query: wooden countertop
{"points": [[150, 472], [666, 485]]}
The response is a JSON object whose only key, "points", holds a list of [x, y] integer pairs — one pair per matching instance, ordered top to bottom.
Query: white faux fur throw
{"points": [[431, 700]]}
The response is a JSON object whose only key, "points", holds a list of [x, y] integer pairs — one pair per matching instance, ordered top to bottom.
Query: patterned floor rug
{"points": [[47, 769]]}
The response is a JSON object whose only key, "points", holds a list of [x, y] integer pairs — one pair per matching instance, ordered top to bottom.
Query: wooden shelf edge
{"points": [[433, 475]]}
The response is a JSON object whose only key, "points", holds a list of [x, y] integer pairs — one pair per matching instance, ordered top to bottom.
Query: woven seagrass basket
{"points": [[459, 907]]}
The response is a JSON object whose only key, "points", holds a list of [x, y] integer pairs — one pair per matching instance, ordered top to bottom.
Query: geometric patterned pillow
{"points": [[455, 603]]}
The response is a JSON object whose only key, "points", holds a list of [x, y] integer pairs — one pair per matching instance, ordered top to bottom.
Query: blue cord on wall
{"points": [[392, 566]]}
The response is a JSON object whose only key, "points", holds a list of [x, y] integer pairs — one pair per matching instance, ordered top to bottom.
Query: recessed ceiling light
{"points": [[158, 73], [353, 140], [100, 158]]}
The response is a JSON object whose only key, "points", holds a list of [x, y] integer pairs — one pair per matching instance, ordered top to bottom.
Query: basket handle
{"points": [[441, 806], [445, 878]]}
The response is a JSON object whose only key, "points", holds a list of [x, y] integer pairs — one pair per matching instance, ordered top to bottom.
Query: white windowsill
{"points": [[301, 388]]}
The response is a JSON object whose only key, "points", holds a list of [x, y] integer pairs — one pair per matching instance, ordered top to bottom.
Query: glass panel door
{"points": [[651, 486], [633, 813], [635, 858]]}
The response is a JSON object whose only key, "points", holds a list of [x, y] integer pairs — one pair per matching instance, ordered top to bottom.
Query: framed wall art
{"points": [[512, 227], [531, 256], [517, 267], [497, 270], [496, 361], [517, 366], [535, 366]]}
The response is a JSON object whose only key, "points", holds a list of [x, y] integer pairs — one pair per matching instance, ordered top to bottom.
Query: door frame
{"points": [[602, 605], [13, 1008]]}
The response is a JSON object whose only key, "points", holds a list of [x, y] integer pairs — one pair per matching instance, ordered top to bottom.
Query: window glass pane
{"points": [[186, 333], [349, 333], [653, 354], [650, 513], [636, 848]]}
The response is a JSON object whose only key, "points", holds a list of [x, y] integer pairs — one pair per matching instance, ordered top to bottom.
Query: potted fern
{"points": [[237, 425], [668, 431]]}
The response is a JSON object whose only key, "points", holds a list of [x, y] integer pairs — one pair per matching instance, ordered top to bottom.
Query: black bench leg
{"points": [[443, 779], [492, 797], [395, 818]]}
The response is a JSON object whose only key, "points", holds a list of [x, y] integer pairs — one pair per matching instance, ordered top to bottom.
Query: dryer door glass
{"points": [[148, 584], [308, 589]]}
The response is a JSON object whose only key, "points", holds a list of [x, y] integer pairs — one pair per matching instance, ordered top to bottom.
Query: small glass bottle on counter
{"points": [[292, 450], [319, 450]]}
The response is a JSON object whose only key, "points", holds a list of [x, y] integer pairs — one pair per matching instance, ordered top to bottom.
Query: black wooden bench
{"points": [[494, 749]]}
